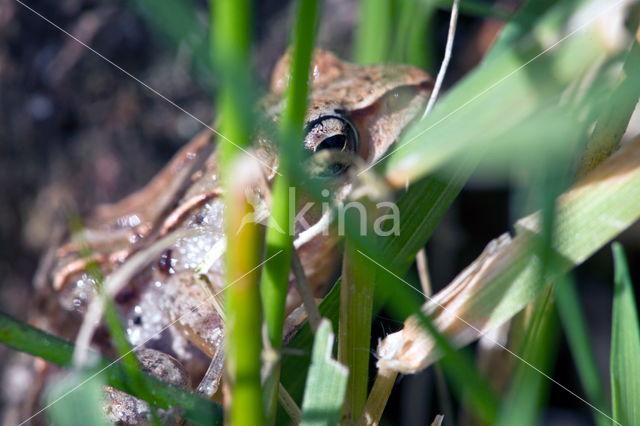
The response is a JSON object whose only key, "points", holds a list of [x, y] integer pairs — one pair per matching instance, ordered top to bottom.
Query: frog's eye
{"points": [[333, 142]]}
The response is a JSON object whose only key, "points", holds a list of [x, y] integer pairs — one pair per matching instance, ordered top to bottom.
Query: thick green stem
{"points": [[231, 42], [356, 304], [244, 317]]}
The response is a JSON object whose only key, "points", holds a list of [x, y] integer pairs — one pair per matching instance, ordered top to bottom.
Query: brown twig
{"points": [[177, 216], [423, 272], [302, 284]]}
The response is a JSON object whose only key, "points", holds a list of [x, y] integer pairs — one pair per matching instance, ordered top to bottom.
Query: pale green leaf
{"points": [[530, 75], [326, 383], [77, 400]]}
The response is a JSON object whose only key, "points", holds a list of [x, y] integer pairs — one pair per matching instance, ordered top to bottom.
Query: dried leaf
{"points": [[506, 276]]}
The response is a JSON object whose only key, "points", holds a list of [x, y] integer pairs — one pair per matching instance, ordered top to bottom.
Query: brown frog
{"points": [[176, 220]]}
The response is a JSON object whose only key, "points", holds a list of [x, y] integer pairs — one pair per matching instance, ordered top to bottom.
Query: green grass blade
{"points": [[179, 23], [520, 24], [231, 25], [412, 29], [373, 32], [512, 90], [295, 110], [616, 112], [421, 207], [276, 274], [275, 278], [356, 304], [243, 305], [575, 327], [22, 337], [625, 345], [126, 353], [297, 355], [326, 382], [528, 387], [77, 408]]}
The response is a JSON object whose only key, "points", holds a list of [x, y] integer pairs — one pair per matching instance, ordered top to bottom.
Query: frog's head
{"points": [[358, 111], [355, 113]]}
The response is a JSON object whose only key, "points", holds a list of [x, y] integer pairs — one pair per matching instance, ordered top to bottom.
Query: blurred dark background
{"points": [[76, 131]]}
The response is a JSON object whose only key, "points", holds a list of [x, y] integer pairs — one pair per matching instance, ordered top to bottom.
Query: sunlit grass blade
{"points": [[512, 89], [616, 112], [241, 172], [243, 305], [575, 327], [24, 338], [625, 345], [326, 382], [529, 387]]}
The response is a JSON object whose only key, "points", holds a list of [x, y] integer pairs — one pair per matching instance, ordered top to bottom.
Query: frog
{"points": [[169, 304]]}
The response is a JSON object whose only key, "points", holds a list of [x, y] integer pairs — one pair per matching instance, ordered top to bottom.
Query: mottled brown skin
{"points": [[378, 101], [122, 408]]}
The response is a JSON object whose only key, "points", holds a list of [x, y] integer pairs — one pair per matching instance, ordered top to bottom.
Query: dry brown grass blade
{"points": [[506, 276], [438, 420]]}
